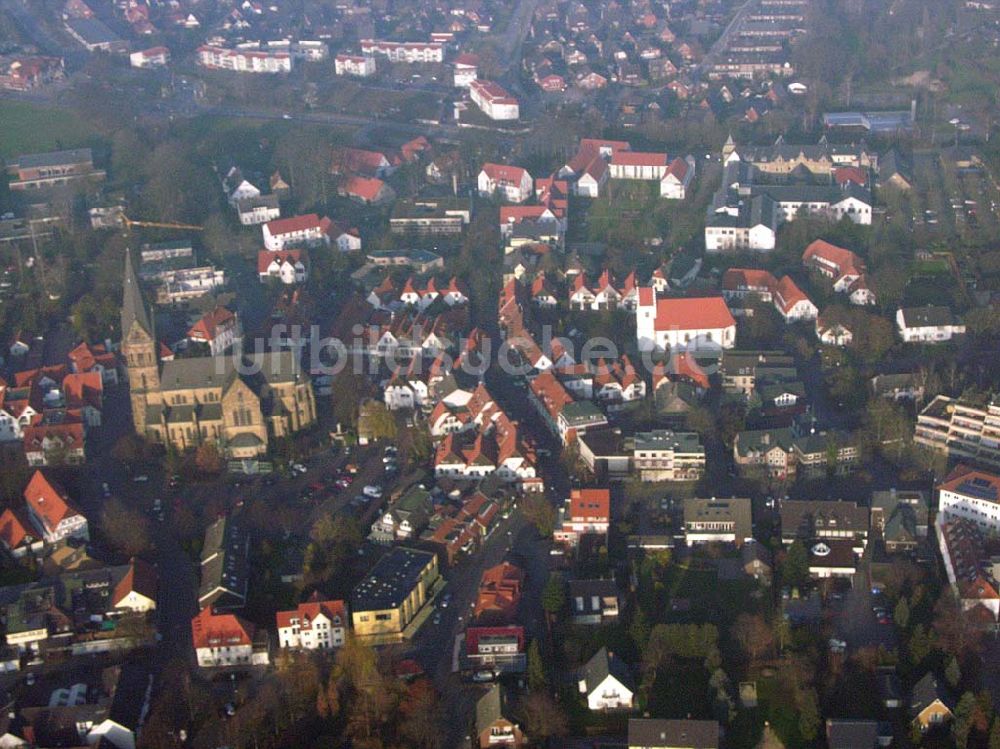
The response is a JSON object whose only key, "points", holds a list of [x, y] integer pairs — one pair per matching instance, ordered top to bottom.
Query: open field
{"points": [[30, 127]]}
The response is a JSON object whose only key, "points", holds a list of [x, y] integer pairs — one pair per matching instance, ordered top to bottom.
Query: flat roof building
{"points": [[392, 594]]}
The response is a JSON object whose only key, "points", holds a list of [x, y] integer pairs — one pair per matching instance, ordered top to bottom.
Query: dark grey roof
{"points": [[93, 31], [55, 158], [248, 204], [133, 306], [927, 317], [804, 518], [224, 560], [391, 579], [587, 589], [600, 666], [925, 692], [490, 708], [668, 734], [851, 734]]}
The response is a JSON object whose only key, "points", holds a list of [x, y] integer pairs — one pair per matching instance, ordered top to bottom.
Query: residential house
{"points": [[410, 53], [154, 57], [356, 65], [466, 70], [511, 183], [366, 190], [259, 209], [296, 231], [287, 266], [843, 267], [928, 324], [219, 329], [833, 333], [898, 387], [565, 416], [586, 511], [51, 512], [901, 516], [405, 518], [827, 520], [717, 521], [755, 558], [832, 559], [499, 594], [593, 601], [314, 625], [225, 640], [499, 649], [606, 682], [930, 704], [495, 724], [657, 733], [857, 734]]}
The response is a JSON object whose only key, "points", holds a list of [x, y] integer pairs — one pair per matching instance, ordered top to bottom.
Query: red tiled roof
{"points": [[467, 59], [638, 158], [358, 161], [505, 173], [845, 174], [366, 188], [293, 224], [266, 257], [846, 261], [737, 279], [789, 294], [693, 313], [209, 326], [83, 389], [963, 474], [48, 500], [589, 504], [14, 528], [141, 578], [307, 612], [210, 630], [474, 634]]}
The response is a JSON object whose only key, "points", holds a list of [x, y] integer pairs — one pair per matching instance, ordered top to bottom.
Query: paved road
{"points": [[723, 41]]}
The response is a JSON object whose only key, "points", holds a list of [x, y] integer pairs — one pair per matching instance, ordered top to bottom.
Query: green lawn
{"points": [[27, 128]]}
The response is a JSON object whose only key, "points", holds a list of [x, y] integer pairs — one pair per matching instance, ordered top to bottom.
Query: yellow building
{"points": [[238, 402], [388, 599]]}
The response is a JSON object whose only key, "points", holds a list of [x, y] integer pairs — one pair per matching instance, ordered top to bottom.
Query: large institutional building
{"points": [[238, 402]]}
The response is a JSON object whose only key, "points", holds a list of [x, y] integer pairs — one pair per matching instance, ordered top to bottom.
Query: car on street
{"points": [[141, 478], [106, 490], [372, 490], [483, 677]]}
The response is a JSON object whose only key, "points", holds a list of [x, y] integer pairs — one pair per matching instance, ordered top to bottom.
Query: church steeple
{"points": [[133, 307], [139, 349]]}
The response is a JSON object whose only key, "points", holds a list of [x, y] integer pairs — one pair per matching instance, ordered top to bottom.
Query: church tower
{"points": [[139, 349]]}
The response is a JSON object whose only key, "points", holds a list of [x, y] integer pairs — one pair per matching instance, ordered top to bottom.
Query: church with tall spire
{"points": [[237, 402]]}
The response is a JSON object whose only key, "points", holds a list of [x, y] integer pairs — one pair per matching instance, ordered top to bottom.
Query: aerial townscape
{"points": [[481, 374]]}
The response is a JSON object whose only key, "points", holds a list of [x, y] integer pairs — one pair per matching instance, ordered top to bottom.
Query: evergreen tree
{"points": [[537, 680]]}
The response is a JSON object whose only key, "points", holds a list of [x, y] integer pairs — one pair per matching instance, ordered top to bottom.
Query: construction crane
{"points": [[129, 223]]}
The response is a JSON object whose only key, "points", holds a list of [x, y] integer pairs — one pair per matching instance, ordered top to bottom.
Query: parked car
{"points": [[141, 478], [106, 490], [373, 491], [482, 677]]}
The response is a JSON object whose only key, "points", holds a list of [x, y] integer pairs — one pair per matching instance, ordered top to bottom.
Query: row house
{"points": [[404, 52], [244, 60], [511, 183], [843, 267], [542, 295], [604, 295], [388, 296], [412, 334], [88, 357], [617, 383], [417, 385], [462, 410], [565, 416], [496, 448], [973, 495], [405, 518], [460, 529], [971, 572], [501, 649]]}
